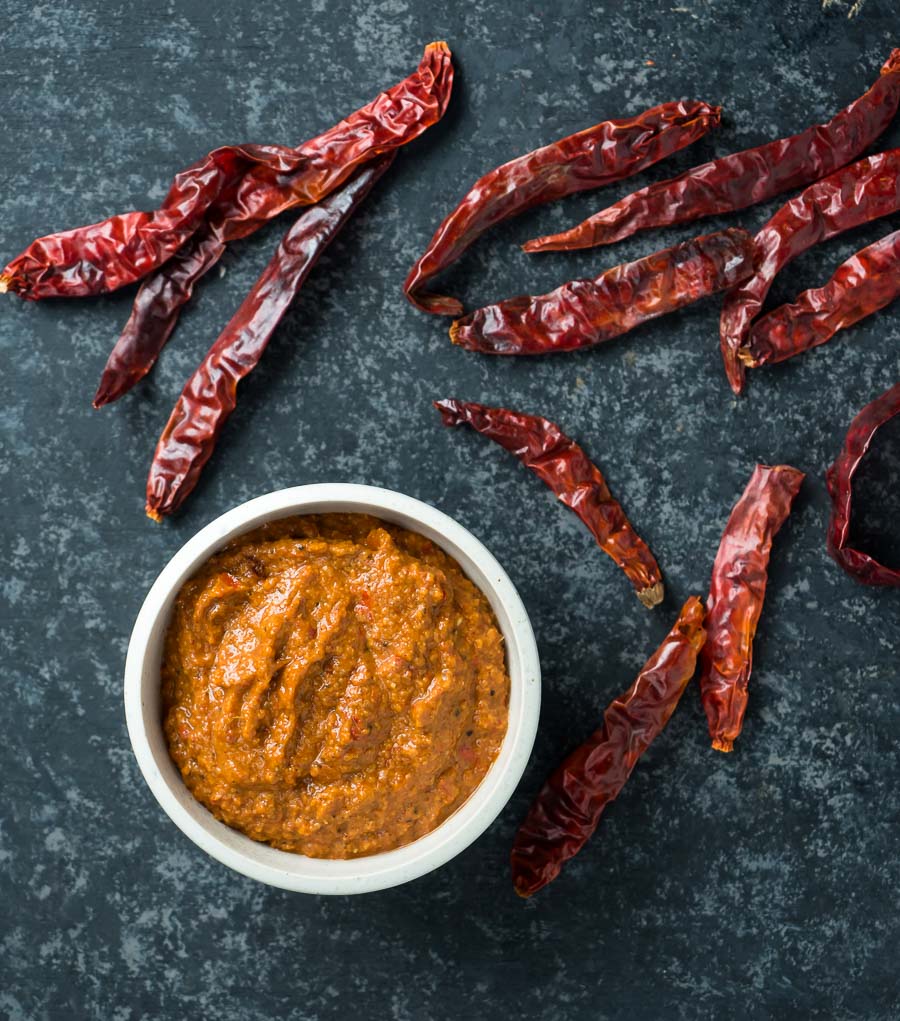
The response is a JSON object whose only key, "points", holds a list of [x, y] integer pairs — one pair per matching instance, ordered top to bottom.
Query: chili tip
{"points": [[4, 284], [735, 370], [153, 514], [652, 595], [723, 744], [521, 890]]}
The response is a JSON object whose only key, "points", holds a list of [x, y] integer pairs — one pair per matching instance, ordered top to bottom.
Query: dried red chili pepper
{"points": [[598, 155], [746, 178], [854, 195], [240, 211], [107, 255], [104, 256], [865, 283], [582, 313], [154, 316], [210, 395], [559, 462], [840, 487], [736, 595], [568, 809]]}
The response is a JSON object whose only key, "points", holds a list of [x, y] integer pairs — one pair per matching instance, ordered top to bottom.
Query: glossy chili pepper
{"points": [[598, 155], [745, 178], [256, 181], [854, 195], [239, 212], [107, 255], [865, 283], [582, 313], [154, 316], [210, 395], [565, 468], [840, 487], [736, 595], [568, 809]]}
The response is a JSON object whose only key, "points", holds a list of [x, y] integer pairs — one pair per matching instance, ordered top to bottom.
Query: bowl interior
{"points": [[286, 869]]}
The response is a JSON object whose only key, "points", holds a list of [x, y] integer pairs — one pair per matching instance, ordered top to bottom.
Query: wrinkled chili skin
{"points": [[606, 152], [745, 178], [254, 183], [854, 195], [238, 213], [121, 249], [864, 284], [583, 313], [155, 314], [210, 395], [563, 466], [839, 479], [736, 594], [568, 809]]}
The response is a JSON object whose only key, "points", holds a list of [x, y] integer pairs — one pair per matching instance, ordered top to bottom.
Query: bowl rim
{"points": [[285, 869]]}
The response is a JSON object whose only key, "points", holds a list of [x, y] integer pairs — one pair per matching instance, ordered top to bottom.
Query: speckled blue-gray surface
{"points": [[758, 885]]}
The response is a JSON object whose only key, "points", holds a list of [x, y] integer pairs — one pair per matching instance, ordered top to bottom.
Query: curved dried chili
{"points": [[599, 155], [745, 178], [258, 182], [854, 195], [121, 249], [865, 283], [583, 313], [154, 315], [210, 395], [560, 463], [840, 487], [736, 594], [568, 809]]}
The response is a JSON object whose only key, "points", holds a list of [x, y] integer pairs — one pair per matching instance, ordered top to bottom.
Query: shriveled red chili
{"points": [[606, 152], [743, 179], [257, 181], [854, 195], [240, 211], [121, 249], [865, 283], [155, 313], [583, 313], [210, 395], [560, 463], [840, 487], [736, 595], [568, 809]]}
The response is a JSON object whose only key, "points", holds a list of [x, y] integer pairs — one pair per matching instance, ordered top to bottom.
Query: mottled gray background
{"points": [[761, 885]]}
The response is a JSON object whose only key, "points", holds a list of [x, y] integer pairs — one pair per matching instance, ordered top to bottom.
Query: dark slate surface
{"points": [[759, 885]]}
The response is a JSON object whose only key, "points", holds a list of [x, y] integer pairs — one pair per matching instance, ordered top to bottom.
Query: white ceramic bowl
{"points": [[294, 871]]}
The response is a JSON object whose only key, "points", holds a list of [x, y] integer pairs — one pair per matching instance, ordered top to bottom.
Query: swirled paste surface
{"points": [[333, 685]]}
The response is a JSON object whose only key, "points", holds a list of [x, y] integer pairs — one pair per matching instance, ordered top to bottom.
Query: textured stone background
{"points": [[761, 885]]}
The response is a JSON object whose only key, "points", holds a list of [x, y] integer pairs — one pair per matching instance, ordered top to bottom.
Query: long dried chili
{"points": [[606, 152], [745, 178], [257, 182], [864, 191], [119, 250], [865, 283], [155, 313], [583, 313], [210, 395], [559, 462], [839, 478], [736, 595], [568, 809]]}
